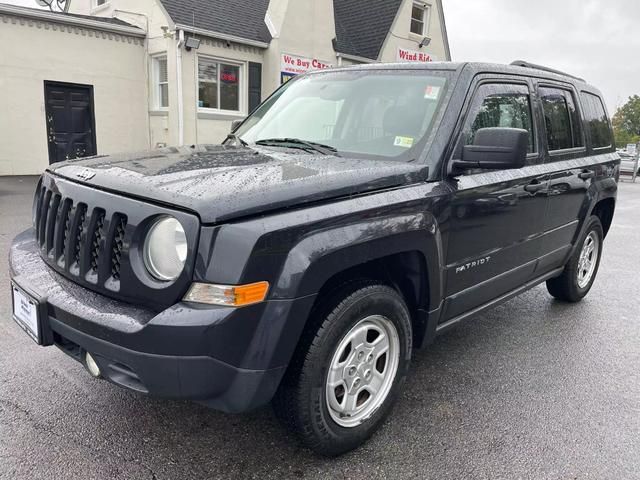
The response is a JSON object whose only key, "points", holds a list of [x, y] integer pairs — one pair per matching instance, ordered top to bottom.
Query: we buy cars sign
{"points": [[294, 65]]}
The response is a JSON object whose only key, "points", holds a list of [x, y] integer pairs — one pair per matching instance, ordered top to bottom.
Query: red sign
{"points": [[406, 55], [295, 65], [229, 77]]}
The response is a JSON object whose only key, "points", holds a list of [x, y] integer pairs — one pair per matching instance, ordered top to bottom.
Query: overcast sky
{"points": [[24, 3], [594, 39]]}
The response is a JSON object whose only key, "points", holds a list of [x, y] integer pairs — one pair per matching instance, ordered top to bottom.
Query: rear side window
{"points": [[500, 105], [561, 118], [597, 121]]}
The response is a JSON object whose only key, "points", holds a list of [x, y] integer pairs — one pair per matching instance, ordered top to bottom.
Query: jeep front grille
{"points": [[82, 241]]}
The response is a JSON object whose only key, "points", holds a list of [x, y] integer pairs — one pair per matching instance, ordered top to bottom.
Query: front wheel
{"points": [[580, 272], [348, 370]]}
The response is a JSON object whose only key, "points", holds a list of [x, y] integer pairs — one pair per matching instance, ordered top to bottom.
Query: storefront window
{"points": [[218, 85]]}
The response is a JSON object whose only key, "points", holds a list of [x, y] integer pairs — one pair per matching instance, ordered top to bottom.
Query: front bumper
{"points": [[230, 359]]}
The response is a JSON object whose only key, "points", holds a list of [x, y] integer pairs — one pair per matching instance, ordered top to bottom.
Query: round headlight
{"points": [[165, 249]]}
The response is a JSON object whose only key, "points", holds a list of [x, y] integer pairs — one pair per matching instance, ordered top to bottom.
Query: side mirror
{"points": [[235, 124], [495, 148]]}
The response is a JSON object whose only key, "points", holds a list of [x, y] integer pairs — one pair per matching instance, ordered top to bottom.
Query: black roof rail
{"points": [[522, 63]]}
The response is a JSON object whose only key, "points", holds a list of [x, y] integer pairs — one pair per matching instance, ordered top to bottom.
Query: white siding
{"points": [[34, 51]]}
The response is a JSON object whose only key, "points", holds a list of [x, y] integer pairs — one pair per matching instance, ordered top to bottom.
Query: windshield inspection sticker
{"points": [[431, 92], [404, 142]]}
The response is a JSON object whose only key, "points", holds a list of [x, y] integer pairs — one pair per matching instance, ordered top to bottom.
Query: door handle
{"points": [[587, 174], [535, 186], [508, 197]]}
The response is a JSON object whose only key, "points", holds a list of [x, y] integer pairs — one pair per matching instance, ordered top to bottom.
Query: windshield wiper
{"points": [[235, 138], [301, 144]]}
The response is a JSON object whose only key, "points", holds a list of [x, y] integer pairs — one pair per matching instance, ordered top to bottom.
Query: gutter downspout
{"points": [[443, 27], [179, 87]]}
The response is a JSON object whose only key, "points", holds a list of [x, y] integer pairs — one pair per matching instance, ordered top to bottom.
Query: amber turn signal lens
{"points": [[252, 293], [230, 295]]}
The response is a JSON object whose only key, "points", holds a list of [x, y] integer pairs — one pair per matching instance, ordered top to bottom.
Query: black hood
{"points": [[220, 183]]}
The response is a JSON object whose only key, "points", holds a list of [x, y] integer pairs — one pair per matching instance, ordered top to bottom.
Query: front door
{"points": [[70, 121], [496, 216]]}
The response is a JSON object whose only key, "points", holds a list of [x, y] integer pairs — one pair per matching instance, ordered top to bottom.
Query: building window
{"points": [[99, 3], [420, 19], [161, 82], [218, 85]]}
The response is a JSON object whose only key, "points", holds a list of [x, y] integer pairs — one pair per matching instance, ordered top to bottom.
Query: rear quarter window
{"points": [[562, 121], [597, 121]]}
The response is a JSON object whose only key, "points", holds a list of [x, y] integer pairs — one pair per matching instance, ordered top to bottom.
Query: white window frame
{"points": [[95, 6], [426, 18], [243, 91], [157, 93]]}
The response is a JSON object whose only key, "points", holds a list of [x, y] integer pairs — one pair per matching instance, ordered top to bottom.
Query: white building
{"points": [[122, 75]]}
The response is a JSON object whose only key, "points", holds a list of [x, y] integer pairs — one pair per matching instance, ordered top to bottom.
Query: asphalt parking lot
{"points": [[533, 389]]}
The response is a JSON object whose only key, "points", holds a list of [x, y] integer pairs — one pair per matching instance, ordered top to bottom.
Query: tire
{"points": [[577, 278], [342, 332]]}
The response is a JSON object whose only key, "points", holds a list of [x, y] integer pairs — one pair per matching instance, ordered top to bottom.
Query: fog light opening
{"points": [[91, 365]]}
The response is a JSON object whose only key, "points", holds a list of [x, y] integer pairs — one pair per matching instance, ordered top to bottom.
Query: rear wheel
{"points": [[580, 272], [347, 372]]}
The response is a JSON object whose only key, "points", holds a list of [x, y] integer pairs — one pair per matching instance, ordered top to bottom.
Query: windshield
{"points": [[383, 114]]}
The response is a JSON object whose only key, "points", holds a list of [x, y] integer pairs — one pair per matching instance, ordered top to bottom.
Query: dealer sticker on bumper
{"points": [[25, 312]]}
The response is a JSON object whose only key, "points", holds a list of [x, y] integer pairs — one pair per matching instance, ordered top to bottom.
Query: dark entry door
{"points": [[70, 121]]}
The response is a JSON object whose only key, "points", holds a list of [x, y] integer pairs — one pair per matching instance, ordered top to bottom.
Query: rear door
{"points": [[70, 121], [571, 166], [496, 216]]}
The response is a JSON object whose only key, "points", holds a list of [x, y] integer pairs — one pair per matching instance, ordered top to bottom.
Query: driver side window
{"points": [[499, 105]]}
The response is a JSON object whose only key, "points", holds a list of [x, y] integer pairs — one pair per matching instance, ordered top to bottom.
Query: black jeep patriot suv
{"points": [[352, 217]]}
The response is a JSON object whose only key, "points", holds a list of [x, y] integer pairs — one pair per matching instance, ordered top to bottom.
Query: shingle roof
{"points": [[239, 18], [363, 25]]}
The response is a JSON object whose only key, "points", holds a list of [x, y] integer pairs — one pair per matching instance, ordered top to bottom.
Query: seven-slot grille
{"points": [[84, 242]]}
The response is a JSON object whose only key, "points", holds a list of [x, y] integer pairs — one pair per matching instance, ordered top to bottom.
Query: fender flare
{"points": [[321, 256]]}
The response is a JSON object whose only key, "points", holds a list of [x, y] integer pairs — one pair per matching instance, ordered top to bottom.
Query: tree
{"points": [[626, 122]]}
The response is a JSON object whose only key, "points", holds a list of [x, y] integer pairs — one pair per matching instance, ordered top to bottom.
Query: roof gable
{"points": [[238, 18], [363, 25]]}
